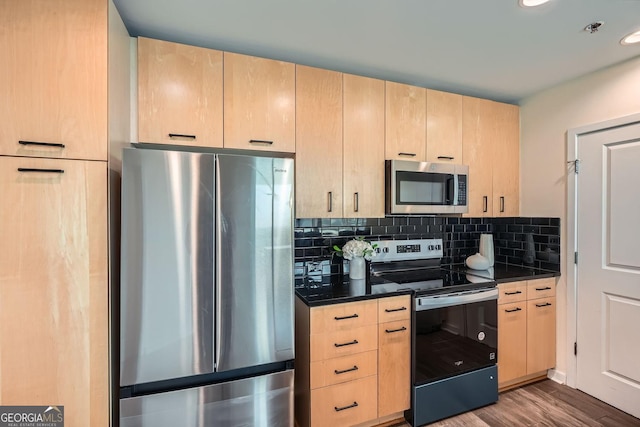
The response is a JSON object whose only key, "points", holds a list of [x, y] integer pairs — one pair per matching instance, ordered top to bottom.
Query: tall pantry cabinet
{"points": [[53, 216]]}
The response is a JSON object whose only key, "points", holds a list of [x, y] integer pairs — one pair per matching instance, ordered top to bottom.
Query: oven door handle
{"points": [[430, 303]]}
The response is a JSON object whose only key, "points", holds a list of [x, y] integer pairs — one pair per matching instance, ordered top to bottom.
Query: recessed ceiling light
{"points": [[532, 3], [631, 38]]}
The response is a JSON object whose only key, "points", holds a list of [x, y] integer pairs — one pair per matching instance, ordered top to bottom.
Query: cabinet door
{"points": [[53, 78], [179, 94], [259, 103], [478, 119], [444, 127], [405, 136], [318, 143], [363, 145], [506, 160], [53, 287], [541, 334], [512, 341], [394, 367]]}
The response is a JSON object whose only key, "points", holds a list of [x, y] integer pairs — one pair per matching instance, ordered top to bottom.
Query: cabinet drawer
{"points": [[541, 288], [512, 292], [394, 308], [340, 317], [343, 343], [343, 369], [345, 404]]}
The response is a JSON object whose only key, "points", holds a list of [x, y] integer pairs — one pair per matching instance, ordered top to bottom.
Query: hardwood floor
{"points": [[544, 403]]}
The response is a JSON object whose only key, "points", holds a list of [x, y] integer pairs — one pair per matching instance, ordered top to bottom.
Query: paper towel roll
{"points": [[486, 247]]}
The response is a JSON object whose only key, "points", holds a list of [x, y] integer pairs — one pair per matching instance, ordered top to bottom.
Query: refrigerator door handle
{"points": [[217, 297]]}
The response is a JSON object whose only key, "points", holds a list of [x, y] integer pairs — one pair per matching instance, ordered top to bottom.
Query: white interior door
{"points": [[608, 269]]}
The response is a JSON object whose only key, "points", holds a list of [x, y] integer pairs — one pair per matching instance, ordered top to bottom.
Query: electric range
{"points": [[454, 329]]}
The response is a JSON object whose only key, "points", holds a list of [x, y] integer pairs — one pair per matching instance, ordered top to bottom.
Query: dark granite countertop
{"points": [[503, 273], [334, 289]]}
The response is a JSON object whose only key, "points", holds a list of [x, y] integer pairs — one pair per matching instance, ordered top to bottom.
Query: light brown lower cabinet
{"points": [[53, 287], [526, 331], [353, 362]]}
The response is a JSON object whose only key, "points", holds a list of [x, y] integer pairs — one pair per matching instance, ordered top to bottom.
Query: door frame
{"points": [[571, 268]]}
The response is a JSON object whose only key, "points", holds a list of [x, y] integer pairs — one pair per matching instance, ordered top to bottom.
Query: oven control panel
{"points": [[405, 250]]}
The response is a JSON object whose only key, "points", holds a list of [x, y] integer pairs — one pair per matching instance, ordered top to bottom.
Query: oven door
{"points": [[454, 334]]}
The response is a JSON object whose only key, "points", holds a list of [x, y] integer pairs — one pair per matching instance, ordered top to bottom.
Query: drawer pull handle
{"points": [[181, 135], [260, 141], [44, 144], [407, 154], [445, 157], [40, 170], [330, 201], [356, 202], [501, 203], [485, 204], [546, 288], [513, 293], [546, 304], [391, 310], [513, 310], [353, 316], [390, 331], [347, 343], [344, 371], [353, 405]]}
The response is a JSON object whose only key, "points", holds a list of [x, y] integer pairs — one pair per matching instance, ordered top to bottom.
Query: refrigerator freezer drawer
{"points": [[260, 401]]}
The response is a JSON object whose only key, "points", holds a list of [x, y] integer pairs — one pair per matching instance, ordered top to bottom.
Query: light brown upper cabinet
{"points": [[53, 78], [179, 94], [259, 103], [405, 121], [444, 127], [490, 142], [318, 143], [363, 147], [506, 161], [53, 286]]}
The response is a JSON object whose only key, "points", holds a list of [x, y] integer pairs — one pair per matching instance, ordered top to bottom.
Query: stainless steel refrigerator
{"points": [[206, 297]]}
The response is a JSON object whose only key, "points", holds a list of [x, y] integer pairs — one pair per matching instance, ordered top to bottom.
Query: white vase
{"points": [[486, 247], [357, 268]]}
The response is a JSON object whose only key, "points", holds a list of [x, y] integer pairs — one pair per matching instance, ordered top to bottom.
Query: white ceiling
{"points": [[488, 48]]}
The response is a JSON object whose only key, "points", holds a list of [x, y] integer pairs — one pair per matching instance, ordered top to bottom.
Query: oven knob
{"points": [[430, 247], [438, 247], [377, 250], [385, 250]]}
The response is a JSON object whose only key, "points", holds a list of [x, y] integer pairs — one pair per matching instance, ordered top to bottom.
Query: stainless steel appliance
{"points": [[425, 188], [206, 328], [454, 346]]}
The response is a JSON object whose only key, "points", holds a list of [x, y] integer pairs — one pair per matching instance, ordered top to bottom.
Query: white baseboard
{"points": [[557, 376]]}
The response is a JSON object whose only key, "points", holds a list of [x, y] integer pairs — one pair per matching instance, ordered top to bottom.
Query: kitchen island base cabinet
{"points": [[353, 362]]}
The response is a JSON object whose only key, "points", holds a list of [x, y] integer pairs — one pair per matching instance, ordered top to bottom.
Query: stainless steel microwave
{"points": [[425, 188]]}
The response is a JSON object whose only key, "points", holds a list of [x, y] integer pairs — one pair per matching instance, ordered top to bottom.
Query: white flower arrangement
{"points": [[357, 248]]}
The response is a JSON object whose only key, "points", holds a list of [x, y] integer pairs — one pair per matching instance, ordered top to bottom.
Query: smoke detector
{"points": [[593, 27]]}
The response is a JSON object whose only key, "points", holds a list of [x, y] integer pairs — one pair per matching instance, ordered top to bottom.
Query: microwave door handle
{"points": [[449, 190], [454, 202]]}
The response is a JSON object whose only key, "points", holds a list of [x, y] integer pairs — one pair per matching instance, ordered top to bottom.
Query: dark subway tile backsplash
{"points": [[513, 237]]}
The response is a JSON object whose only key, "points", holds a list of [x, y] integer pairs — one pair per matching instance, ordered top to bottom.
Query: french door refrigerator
{"points": [[206, 297]]}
